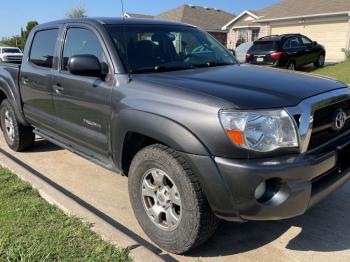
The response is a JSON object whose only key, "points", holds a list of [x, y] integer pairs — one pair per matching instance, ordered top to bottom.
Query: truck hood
{"points": [[247, 87]]}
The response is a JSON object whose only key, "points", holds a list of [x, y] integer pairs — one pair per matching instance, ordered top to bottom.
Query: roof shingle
{"points": [[292, 8], [202, 17]]}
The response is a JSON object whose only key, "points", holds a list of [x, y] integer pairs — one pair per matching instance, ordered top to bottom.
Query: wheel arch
{"points": [[9, 90], [133, 130]]}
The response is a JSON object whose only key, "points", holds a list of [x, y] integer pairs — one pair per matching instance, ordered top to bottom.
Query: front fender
{"points": [[154, 126]]}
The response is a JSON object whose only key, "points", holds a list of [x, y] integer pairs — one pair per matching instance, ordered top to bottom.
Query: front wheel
{"points": [[320, 61], [17, 136], [168, 201]]}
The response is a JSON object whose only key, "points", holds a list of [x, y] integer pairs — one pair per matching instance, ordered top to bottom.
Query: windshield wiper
{"points": [[213, 64], [160, 68]]}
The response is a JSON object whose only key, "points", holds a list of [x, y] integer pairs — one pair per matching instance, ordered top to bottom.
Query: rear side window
{"points": [[293, 43], [265, 46], [43, 48]]}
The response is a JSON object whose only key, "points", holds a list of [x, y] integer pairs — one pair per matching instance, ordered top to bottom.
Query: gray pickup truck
{"points": [[200, 137]]}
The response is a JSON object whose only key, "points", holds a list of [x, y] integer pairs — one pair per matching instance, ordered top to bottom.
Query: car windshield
{"points": [[264, 46], [160, 48], [11, 51]]}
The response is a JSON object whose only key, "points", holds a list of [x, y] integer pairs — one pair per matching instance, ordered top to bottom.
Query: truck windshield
{"points": [[160, 48], [11, 51]]}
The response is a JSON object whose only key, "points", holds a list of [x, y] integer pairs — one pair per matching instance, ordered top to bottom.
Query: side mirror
{"points": [[315, 43], [232, 52], [85, 65]]}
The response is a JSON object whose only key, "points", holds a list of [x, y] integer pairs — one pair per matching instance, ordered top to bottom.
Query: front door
{"points": [[83, 104]]}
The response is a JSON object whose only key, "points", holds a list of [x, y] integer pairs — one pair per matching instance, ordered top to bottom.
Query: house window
{"points": [[255, 34]]}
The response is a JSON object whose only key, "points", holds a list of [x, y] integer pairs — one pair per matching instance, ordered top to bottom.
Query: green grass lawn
{"points": [[339, 71], [33, 230]]}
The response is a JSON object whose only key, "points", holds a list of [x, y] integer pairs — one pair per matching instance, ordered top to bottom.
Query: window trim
{"points": [[100, 39], [55, 48]]}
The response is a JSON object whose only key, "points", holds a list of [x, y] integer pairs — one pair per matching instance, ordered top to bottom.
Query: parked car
{"points": [[241, 51], [286, 51], [10, 54], [200, 137]]}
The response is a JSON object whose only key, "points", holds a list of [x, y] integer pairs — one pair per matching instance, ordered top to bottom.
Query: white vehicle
{"points": [[242, 50], [10, 54]]}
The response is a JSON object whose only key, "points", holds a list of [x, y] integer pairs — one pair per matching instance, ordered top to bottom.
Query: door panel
{"points": [[35, 80], [83, 104]]}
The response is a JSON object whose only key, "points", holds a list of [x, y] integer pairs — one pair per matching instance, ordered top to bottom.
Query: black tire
{"points": [[320, 61], [291, 66], [20, 137], [197, 223]]}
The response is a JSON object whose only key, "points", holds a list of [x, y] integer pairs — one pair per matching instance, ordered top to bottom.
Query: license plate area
{"points": [[260, 59], [344, 157]]}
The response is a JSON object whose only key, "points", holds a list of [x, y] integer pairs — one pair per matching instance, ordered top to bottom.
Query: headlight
{"points": [[261, 131]]}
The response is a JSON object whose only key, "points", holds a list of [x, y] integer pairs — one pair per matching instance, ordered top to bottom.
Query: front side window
{"points": [[81, 41], [306, 41], [43, 48], [144, 48]]}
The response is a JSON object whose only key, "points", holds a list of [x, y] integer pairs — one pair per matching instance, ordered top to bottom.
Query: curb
{"points": [[138, 248]]}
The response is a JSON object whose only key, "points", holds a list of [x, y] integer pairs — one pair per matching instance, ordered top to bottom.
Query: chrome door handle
{"points": [[25, 81], [58, 88]]}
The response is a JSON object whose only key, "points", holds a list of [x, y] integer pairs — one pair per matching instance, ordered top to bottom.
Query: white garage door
{"points": [[331, 35]]}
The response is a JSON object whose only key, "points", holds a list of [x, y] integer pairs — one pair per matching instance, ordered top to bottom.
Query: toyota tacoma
{"points": [[200, 137]]}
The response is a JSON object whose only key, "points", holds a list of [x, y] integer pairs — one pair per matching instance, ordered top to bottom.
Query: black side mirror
{"points": [[315, 43], [232, 52], [85, 65]]}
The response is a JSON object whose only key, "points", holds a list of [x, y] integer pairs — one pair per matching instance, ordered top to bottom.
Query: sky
{"points": [[16, 14]]}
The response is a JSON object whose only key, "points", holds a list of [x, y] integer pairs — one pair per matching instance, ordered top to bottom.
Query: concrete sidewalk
{"points": [[100, 197]]}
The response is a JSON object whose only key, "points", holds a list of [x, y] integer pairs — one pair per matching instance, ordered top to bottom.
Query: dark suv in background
{"points": [[286, 51]]}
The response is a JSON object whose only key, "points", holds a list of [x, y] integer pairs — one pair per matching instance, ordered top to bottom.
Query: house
{"points": [[209, 19], [324, 21]]}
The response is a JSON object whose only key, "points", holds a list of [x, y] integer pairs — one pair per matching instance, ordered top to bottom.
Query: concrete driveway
{"points": [[323, 234]]}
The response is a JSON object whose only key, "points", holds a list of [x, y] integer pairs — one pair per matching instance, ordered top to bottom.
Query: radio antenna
{"points": [[125, 45]]}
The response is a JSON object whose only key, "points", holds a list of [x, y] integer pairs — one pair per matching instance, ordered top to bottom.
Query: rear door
{"points": [[296, 51], [35, 79], [83, 104]]}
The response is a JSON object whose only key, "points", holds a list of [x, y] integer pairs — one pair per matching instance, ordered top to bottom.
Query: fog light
{"points": [[260, 190]]}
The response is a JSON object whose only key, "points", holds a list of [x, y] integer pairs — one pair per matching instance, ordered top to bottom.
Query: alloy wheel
{"points": [[9, 126], [161, 199]]}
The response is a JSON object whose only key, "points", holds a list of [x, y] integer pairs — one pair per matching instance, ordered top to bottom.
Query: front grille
{"points": [[13, 58], [323, 122]]}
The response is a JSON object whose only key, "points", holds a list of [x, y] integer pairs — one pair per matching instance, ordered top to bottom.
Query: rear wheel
{"points": [[320, 61], [291, 66], [17, 136], [168, 200]]}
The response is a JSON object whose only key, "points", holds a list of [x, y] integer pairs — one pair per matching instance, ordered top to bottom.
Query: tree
{"points": [[77, 12], [25, 33], [20, 40]]}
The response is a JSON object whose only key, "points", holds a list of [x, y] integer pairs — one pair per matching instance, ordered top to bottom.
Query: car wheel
{"points": [[320, 61], [291, 66], [17, 136], [168, 200]]}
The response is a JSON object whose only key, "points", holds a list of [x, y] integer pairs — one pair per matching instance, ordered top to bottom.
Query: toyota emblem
{"points": [[339, 120]]}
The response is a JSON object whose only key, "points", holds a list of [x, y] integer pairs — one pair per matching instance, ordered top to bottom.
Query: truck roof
{"points": [[113, 21]]}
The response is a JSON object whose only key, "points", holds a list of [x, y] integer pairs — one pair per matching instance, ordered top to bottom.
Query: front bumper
{"points": [[302, 181]]}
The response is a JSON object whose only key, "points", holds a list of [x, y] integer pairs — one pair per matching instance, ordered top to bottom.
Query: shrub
{"points": [[347, 52]]}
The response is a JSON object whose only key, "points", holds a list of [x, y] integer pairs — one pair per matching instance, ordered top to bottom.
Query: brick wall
{"points": [[220, 36]]}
